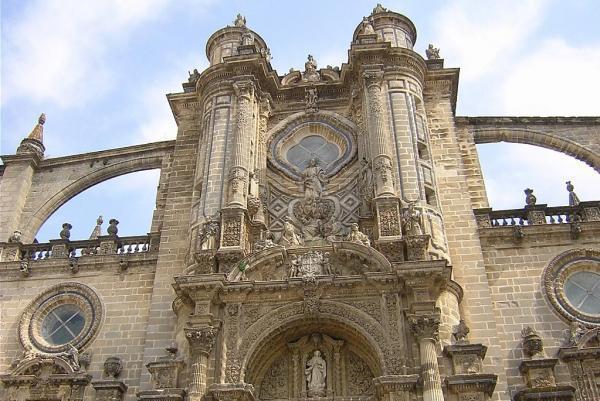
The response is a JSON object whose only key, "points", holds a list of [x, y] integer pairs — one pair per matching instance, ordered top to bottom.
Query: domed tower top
{"points": [[389, 27], [226, 42]]}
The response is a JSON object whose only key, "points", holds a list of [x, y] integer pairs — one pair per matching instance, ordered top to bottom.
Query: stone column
{"points": [[378, 133], [261, 158], [238, 170], [425, 328], [201, 342]]}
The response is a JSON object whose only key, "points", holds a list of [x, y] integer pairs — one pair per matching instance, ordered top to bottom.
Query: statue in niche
{"points": [[314, 178], [412, 220], [209, 233], [289, 236], [357, 236], [316, 373]]}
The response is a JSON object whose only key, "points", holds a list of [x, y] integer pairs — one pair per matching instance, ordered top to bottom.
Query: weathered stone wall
{"points": [[513, 271], [125, 296]]}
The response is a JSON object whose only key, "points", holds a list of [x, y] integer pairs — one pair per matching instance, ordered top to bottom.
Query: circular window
{"points": [[313, 147], [572, 284], [582, 290], [65, 315], [63, 324]]}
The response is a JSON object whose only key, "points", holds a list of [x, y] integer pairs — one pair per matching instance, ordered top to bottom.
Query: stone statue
{"points": [[379, 9], [240, 21], [367, 27], [247, 38], [432, 53], [310, 69], [193, 76], [314, 178], [366, 182], [530, 198], [573, 198], [412, 220], [65, 233], [209, 233], [289, 236], [357, 236], [15, 237], [267, 241], [294, 266], [461, 330], [576, 332], [71, 355], [316, 373]]}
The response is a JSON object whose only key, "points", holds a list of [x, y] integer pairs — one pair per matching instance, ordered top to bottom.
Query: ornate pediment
{"points": [[343, 258]]}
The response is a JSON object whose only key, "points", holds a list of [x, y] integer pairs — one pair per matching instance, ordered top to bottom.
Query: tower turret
{"points": [[389, 26], [234, 40]]}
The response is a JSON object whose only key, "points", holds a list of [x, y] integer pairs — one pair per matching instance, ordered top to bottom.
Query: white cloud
{"points": [[481, 35], [57, 50], [556, 79], [159, 123]]}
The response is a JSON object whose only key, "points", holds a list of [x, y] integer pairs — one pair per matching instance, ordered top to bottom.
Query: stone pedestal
{"points": [[536, 214], [108, 244], [416, 247], [60, 248], [164, 376], [468, 381], [541, 382], [395, 387], [109, 390], [230, 392]]}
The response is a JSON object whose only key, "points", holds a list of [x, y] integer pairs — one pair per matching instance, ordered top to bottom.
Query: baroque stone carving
{"points": [[240, 21], [432, 53], [310, 70], [311, 98], [530, 198], [573, 198], [411, 218], [388, 220], [232, 229], [65, 233], [209, 233], [289, 236], [357, 236], [310, 264], [425, 326], [461, 330], [202, 339], [532, 342], [113, 367], [316, 375], [360, 377], [275, 383]]}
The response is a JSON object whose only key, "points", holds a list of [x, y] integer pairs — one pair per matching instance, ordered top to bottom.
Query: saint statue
{"points": [[314, 178], [412, 220], [289, 236], [357, 236], [316, 372]]}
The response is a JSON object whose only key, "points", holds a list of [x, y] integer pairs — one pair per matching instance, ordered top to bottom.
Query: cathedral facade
{"points": [[320, 235]]}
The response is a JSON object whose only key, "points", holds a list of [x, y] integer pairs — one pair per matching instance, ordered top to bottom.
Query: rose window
{"points": [[582, 290]]}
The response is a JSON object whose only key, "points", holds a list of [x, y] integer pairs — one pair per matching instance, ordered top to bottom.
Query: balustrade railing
{"points": [[538, 215], [104, 245]]}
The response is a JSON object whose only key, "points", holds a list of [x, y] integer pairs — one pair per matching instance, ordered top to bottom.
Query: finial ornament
{"points": [[240, 21], [432, 53], [37, 133], [530, 198], [573, 198], [98, 229], [65, 233], [461, 330], [533, 346]]}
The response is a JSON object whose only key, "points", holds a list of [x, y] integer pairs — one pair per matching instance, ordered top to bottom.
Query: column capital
{"points": [[373, 75], [244, 88], [425, 326], [201, 339]]}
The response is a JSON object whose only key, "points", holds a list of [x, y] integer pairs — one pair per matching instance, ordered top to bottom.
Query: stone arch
{"points": [[538, 138], [36, 219], [362, 326]]}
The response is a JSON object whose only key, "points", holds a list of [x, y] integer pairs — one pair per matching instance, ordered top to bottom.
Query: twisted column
{"points": [[378, 133], [238, 172], [426, 329], [201, 342]]}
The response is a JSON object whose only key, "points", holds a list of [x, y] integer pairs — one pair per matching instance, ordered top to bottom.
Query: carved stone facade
{"points": [[322, 235]]}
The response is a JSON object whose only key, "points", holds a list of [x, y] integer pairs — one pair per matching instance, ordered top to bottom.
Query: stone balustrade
{"points": [[538, 214], [103, 245]]}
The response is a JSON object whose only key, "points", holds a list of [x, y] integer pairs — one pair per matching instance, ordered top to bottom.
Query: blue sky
{"points": [[100, 71]]}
